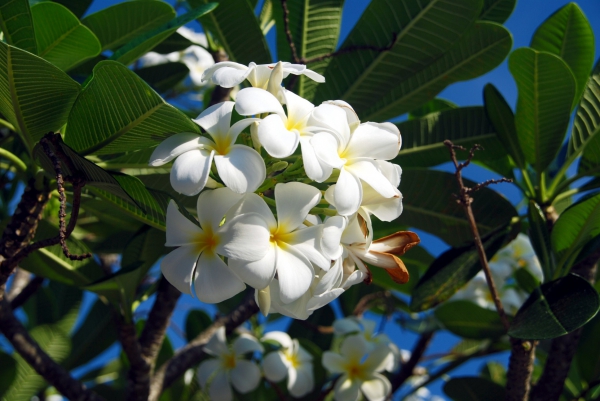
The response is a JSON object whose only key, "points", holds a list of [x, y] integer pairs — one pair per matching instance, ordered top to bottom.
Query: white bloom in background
{"points": [[197, 61], [229, 74], [356, 157], [240, 167], [291, 245], [518, 254], [197, 260], [292, 361], [359, 366], [229, 367], [423, 394]]}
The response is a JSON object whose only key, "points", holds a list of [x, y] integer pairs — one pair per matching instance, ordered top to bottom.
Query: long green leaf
{"points": [[77, 7], [497, 10], [121, 23], [17, 24], [315, 28], [237, 30], [419, 32], [567, 33], [61, 38], [147, 41], [482, 48], [163, 77], [546, 90], [35, 96], [433, 106], [106, 118], [503, 119], [585, 136], [422, 139], [438, 213], [540, 240], [57, 304], [555, 309], [469, 320], [588, 351], [8, 372], [27, 383], [473, 389]]}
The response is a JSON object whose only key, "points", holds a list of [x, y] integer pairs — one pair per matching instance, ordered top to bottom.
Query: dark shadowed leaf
{"points": [[77, 7], [497, 10], [17, 25], [173, 43], [163, 77], [432, 106], [540, 240], [556, 308], [320, 317], [468, 320], [195, 323], [588, 351], [8, 372], [473, 389]]}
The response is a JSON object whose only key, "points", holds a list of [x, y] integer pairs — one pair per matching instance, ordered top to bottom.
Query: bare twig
{"points": [[288, 33], [30, 289], [368, 301], [45, 366], [407, 368]]}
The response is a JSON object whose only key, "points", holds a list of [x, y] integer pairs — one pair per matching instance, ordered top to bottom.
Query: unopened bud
{"points": [[274, 85], [254, 136], [278, 166], [264, 300]]}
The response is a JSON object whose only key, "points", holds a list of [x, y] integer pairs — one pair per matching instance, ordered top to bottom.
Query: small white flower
{"points": [[229, 74], [240, 167], [292, 361], [229, 367], [359, 367]]}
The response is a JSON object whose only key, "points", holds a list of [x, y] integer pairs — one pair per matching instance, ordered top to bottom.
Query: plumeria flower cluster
{"points": [[286, 193], [518, 254]]}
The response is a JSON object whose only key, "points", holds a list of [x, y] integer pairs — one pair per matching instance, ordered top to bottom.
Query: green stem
{"points": [[8, 125], [18, 163], [559, 176], [528, 182], [565, 184], [543, 191], [565, 194], [269, 201], [326, 212]]}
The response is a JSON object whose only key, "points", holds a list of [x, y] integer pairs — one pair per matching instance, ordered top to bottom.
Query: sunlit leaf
{"points": [[585, 136]]}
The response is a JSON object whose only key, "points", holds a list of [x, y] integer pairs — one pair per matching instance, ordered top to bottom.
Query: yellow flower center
{"points": [[222, 145], [206, 241], [292, 359], [228, 361], [355, 371]]}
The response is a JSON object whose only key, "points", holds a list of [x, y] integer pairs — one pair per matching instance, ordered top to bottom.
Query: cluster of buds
{"points": [[286, 207]]}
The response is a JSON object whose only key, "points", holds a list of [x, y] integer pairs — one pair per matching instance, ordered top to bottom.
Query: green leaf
{"points": [[77, 7], [497, 10], [17, 25], [116, 25], [315, 28], [236, 29], [419, 32], [567, 33], [61, 38], [147, 41], [173, 43], [480, 49], [163, 77], [546, 90], [35, 96], [433, 106], [108, 119], [503, 120], [585, 136], [423, 138], [438, 213], [575, 227], [540, 239], [417, 260], [50, 262], [452, 270], [525, 280], [56, 304], [556, 308], [320, 317], [468, 320], [196, 322], [94, 336], [588, 351], [8, 372], [28, 382], [473, 389]]}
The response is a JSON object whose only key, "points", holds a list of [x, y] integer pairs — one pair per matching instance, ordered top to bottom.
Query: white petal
{"points": [[226, 74], [313, 75], [259, 77], [254, 101], [298, 108], [216, 119], [333, 119], [238, 127], [277, 140], [376, 141], [176, 145], [326, 148], [314, 168], [242, 169], [190, 171], [391, 171], [368, 172], [347, 193], [293, 202], [252, 203], [212, 206], [387, 210], [180, 231], [332, 235], [245, 238], [305, 241], [178, 265], [257, 274], [295, 274], [328, 280], [214, 281], [319, 301], [296, 309], [346, 325], [281, 337], [217, 343], [246, 343], [354, 347], [377, 358], [333, 362], [274, 367], [206, 369], [245, 377], [301, 381], [219, 388], [346, 389], [376, 389]]}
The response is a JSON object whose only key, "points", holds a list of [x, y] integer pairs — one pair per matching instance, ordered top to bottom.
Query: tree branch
{"points": [[30, 289], [193, 352], [45, 366], [407, 368], [138, 377]]}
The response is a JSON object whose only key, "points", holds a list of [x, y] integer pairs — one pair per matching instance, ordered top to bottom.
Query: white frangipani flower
{"points": [[229, 74], [356, 158], [240, 167], [291, 245], [197, 260], [292, 361], [359, 366], [229, 367]]}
